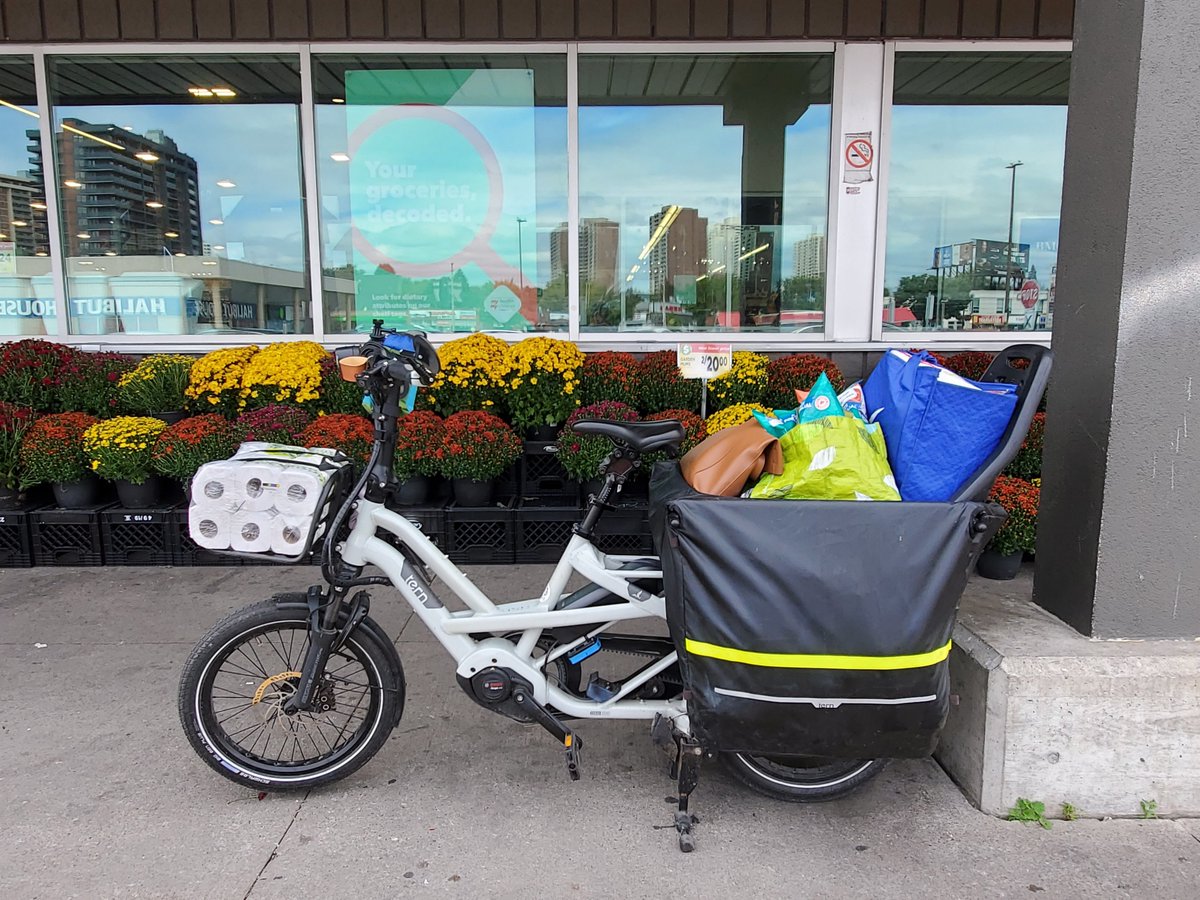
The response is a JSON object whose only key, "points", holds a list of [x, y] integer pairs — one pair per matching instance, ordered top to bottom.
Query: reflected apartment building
{"points": [[126, 193], [19, 210], [599, 247]]}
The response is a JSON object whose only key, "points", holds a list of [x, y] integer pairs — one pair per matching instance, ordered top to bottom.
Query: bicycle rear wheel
{"points": [[801, 779]]}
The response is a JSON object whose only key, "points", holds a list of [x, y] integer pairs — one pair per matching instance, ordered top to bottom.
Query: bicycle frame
{"points": [[454, 630]]}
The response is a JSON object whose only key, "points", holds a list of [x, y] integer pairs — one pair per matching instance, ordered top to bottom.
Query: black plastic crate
{"points": [[543, 478], [431, 520], [543, 530], [625, 531], [481, 534], [67, 537], [137, 537], [16, 546], [186, 552]]}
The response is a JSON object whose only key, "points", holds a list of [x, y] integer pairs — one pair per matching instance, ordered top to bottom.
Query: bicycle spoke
{"points": [[291, 648], [254, 650], [278, 651], [236, 670], [261, 673], [235, 712], [342, 731]]}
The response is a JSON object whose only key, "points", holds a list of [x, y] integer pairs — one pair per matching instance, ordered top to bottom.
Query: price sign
{"points": [[704, 360]]}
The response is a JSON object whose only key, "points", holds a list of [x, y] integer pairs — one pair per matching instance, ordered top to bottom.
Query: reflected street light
{"points": [[1012, 200]]}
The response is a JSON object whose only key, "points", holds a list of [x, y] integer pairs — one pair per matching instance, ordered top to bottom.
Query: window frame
{"points": [[844, 309], [984, 340]]}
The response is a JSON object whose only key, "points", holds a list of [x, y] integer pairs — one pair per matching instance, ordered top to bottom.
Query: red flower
{"points": [[969, 364], [786, 374], [351, 434], [479, 446]]}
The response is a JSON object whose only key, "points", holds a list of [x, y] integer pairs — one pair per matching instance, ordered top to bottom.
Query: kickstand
{"points": [[686, 770]]}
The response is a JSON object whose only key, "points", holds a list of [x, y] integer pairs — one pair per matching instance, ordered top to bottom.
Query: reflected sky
{"points": [[14, 158], [948, 182]]}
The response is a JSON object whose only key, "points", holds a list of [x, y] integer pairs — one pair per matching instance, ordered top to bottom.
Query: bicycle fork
{"points": [[324, 638]]}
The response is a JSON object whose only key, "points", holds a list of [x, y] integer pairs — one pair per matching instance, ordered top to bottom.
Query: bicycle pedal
{"points": [[600, 690], [573, 744]]}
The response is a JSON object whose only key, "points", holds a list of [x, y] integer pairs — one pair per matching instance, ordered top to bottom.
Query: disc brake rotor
{"points": [[274, 679]]}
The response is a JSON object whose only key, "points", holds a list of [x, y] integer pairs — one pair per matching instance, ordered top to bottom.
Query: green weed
{"points": [[1029, 811]]}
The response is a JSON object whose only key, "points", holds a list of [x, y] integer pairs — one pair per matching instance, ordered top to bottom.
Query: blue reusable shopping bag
{"points": [[939, 427]]}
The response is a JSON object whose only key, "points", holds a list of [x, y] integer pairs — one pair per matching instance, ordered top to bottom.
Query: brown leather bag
{"points": [[723, 463]]}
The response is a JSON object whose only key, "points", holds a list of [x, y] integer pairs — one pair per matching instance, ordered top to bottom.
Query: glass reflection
{"points": [[442, 183], [974, 191], [703, 192], [180, 194], [26, 287]]}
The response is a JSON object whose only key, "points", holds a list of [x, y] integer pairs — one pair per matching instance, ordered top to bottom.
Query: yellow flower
{"points": [[732, 415]]}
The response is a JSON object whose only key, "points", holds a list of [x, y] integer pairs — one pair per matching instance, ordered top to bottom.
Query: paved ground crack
{"points": [[404, 627], [278, 844]]}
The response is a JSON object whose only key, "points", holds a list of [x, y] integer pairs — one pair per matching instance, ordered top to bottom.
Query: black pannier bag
{"points": [[814, 628]]}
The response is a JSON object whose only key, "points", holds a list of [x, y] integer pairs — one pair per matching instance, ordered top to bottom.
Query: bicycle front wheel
{"points": [[239, 676]]}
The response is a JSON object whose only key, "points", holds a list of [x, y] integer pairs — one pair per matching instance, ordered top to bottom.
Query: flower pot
{"points": [[175, 415], [543, 432], [592, 486], [87, 491], [413, 491], [469, 492], [140, 496], [10, 498], [998, 566]]}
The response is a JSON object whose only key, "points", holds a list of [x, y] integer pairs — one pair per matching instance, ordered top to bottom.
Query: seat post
{"points": [[616, 468]]}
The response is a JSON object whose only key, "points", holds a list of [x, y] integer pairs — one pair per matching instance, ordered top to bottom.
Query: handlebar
{"points": [[389, 358]]}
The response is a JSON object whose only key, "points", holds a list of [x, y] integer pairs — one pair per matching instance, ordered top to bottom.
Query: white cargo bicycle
{"points": [[301, 690]]}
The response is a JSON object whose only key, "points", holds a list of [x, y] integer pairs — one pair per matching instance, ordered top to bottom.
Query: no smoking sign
{"points": [[859, 155]]}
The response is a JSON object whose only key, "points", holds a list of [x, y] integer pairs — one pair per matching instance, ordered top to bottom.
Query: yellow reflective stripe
{"points": [[817, 660]]}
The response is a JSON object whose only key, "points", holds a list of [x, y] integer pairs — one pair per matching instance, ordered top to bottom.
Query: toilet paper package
{"points": [[267, 499]]}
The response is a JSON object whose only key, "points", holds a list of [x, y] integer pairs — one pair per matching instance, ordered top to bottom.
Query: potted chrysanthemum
{"points": [[14, 422], [419, 435], [184, 447], [478, 448], [121, 450], [52, 453], [1017, 536]]}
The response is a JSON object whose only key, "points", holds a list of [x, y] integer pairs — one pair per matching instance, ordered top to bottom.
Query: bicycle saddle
{"points": [[640, 436]]}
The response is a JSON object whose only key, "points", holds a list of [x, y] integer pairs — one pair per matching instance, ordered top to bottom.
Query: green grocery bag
{"points": [[831, 458]]}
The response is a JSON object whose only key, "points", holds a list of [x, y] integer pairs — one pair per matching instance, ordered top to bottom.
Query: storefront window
{"points": [[443, 183], [974, 191], [703, 192], [180, 193], [26, 287]]}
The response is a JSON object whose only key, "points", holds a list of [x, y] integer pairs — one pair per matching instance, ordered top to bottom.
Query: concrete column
{"points": [[1119, 534]]}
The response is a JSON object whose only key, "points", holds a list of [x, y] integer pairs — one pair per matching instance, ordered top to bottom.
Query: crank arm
{"points": [[571, 742]]}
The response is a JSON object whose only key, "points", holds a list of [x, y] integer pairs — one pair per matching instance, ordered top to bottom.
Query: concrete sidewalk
{"points": [[101, 796]]}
